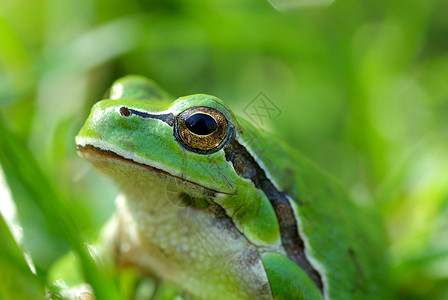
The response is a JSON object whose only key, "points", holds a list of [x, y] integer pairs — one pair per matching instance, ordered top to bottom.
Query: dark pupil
{"points": [[201, 124]]}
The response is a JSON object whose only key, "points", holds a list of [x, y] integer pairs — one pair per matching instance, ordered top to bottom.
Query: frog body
{"points": [[222, 209]]}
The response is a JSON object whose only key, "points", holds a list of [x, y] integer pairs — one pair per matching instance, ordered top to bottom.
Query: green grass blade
{"points": [[16, 158], [18, 282]]}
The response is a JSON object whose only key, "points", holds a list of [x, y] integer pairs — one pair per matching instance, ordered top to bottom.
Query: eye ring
{"points": [[201, 129]]}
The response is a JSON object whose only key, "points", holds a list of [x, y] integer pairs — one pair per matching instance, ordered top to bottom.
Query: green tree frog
{"points": [[222, 209]]}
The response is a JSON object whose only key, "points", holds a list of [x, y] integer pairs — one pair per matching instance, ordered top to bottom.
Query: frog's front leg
{"points": [[122, 251]]}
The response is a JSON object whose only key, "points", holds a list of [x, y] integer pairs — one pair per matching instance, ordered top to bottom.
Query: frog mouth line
{"points": [[90, 149]]}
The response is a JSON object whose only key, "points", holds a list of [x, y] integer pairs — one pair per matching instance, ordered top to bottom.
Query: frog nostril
{"points": [[125, 112]]}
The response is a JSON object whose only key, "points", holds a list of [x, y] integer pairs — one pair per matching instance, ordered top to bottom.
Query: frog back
{"points": [[343, 242]]}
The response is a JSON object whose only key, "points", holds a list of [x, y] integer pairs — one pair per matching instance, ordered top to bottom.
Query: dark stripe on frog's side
{"points": [[167, 118], [246, 167]]}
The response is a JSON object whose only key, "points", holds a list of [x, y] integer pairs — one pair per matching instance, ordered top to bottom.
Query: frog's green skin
{"points": [[249, 219]]}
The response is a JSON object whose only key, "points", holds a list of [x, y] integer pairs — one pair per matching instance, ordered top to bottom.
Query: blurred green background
{"points": [[362, 88]]}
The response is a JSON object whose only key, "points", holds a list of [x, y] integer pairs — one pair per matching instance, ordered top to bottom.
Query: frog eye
{"points": [[201, 129]]}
